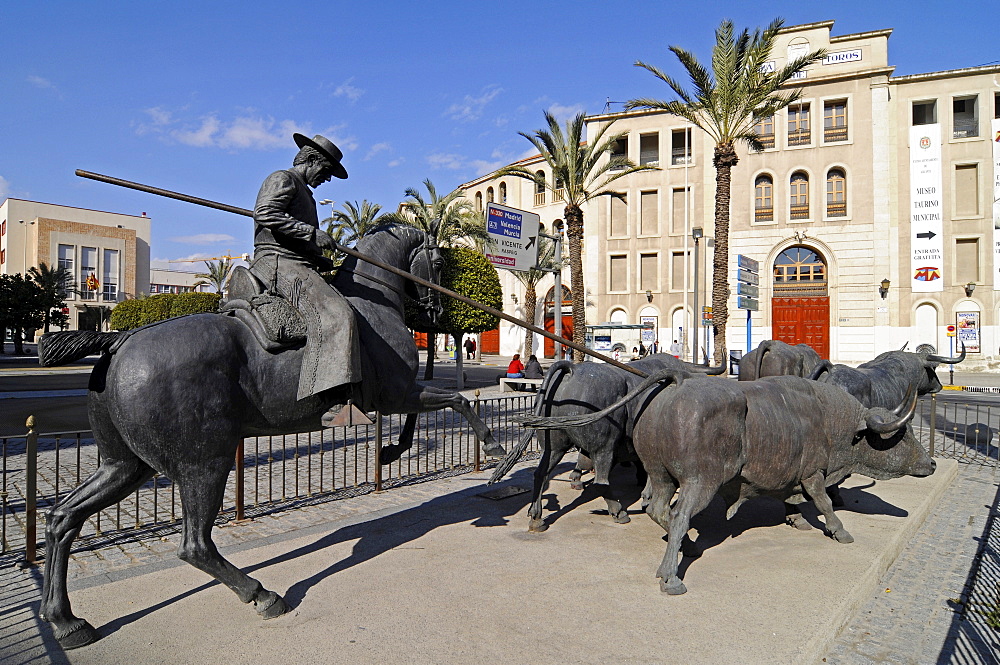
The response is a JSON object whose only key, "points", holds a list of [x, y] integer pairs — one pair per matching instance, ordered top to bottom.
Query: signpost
{"points": [[515, 237], [746, 288]]}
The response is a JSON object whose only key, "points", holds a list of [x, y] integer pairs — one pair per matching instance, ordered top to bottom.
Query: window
{"points": [[996, 104], [924, 113], [965, 116], [835, 121], [798, 125], [765, 131], [680, 146], [649, 149], [619, 150], [540, 188], [967, 190], [503, 192], [836, 193], [558, 194], [489, 195], [799, 196], [763, 200], [479, 201], [649, 214], [619, 215], [677, 216], [66, 255], [966, 260], [796, 265], [88, 268], [618, 269], [677, 271], [649, 272], [110, 285]]}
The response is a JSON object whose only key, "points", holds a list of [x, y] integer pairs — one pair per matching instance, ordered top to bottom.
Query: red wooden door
{"points": [[804, 320], [550, 326], [421, 340], [489, 342]]}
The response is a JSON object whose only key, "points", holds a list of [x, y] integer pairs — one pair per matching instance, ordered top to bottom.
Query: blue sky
{"points": [[202, 97]]}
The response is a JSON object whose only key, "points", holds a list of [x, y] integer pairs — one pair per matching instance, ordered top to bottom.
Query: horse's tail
{"points": [[60, 348], [670, 374], [507, 463]]}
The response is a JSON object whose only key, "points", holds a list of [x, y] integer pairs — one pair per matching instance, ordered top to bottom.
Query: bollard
{"points": [[933, 421], [479, 444], [378, 451], [30, 494], [240, 515]]}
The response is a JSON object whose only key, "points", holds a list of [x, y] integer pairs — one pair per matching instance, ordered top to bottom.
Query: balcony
{"points": [[834, 134], [800, 137], [766, 140], [680, 157], [539, 198], [836, 209], [799, 212], [763, 214]]}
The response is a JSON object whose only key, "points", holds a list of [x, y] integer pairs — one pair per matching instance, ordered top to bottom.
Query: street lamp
{"points": [[331, 203], [697, 233], [24, 254], [969, 288]]}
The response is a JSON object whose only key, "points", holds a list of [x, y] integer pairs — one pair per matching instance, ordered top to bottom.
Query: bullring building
{"points": [[872, 213]]}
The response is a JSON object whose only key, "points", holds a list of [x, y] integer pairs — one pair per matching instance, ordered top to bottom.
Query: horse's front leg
{"points": [[429, 398], [393, 452]]}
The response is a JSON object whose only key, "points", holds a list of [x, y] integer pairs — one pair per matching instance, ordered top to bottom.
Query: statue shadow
{"points": [[621, 478], [375, 537]]}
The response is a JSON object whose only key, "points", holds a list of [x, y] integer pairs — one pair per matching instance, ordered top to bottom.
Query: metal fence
{"points": [[271, 473]]}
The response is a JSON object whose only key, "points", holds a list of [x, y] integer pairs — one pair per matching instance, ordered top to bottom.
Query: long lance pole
{"points": [[375, 262]]}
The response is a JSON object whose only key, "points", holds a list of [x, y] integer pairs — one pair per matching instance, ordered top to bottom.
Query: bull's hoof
{"points": [[576, 485], [622, 518], [798, 522], [537, 526], [842, 536], [673, 586], [270, 605], [78, 636]]}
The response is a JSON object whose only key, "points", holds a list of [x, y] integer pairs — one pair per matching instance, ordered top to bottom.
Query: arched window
{"points": [[540, 188], [503, 192], [836, 193], [489, 195], [799, 196], [764, 199], [479, 201], [799, 271]]}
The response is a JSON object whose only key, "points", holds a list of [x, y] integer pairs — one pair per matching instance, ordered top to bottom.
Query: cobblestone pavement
{"points": [[922, 612]]}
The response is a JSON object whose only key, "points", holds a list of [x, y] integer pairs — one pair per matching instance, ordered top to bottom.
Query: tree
{"points": [[726, 103], [579, 173], [356, 221], [547, 260], [468, 273], [217, 276], [54, 282], [22, 307]]}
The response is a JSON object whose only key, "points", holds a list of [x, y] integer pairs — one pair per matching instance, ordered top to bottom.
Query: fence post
{"points": [[933, 420], [478, 444], [378, 451], [31, 494], [240, 515]]}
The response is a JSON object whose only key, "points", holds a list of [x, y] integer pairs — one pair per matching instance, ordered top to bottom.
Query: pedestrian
{"points": [[656, 346], [470, 348], [642, 349], [675, 349], [533, 368], [515, 370]]}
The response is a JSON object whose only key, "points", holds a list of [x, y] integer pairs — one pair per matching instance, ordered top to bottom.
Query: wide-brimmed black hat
{"points": [[326, 148]]}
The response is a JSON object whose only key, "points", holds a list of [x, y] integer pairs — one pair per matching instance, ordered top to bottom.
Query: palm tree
{"points": [[726, 103], [579, 173], [355, 222], [547, 260], [218, 274], [55, 282]]}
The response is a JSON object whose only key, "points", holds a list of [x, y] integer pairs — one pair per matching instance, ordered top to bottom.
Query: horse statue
{"points": [[178, 397]]}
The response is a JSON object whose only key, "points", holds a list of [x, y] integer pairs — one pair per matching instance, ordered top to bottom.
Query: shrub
{"points": [[194, 303], [156, 308], [126, 315]]}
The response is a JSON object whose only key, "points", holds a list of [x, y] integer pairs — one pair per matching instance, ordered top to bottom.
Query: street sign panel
{"points": [[515, 237], [747, 263], [747, 277], [747, 290], [747, 303], [951, 331]]}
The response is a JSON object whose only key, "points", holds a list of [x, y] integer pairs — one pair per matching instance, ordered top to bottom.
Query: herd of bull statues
{"points": [[793, 427]]}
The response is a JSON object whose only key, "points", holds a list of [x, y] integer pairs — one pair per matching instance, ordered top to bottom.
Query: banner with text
{"points": [[995, 134], [926, 226]]}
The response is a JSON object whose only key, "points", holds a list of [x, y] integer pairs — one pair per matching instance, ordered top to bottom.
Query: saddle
{"points": [[274, 321]]}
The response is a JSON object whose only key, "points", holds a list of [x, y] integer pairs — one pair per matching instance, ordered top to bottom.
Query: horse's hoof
{"points": [[494, 449], [390, 454], [622, 518], [798, 522], [537, 526], [842, 536], [673, 586], [270, 605], [79, 636]]}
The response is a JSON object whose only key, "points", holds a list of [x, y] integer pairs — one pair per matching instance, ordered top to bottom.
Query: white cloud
{"points": [[39, 82], [345, 89], [471, 108], [563, 113], [247, 131], [202, 136], [376, 149], [446, 161], [396, 162], [483, 167], [4, 188], [204, 238], [191, 263]]}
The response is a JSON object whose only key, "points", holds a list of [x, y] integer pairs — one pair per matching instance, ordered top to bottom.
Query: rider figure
{"points": [[288, 258]]}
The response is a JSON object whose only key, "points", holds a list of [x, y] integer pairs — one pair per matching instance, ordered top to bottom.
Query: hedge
{"points": [[130, 314]]}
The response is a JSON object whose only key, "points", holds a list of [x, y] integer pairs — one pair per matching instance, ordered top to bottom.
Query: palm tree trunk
{"points": [[725, 159], [574, 236], [530, 296]]}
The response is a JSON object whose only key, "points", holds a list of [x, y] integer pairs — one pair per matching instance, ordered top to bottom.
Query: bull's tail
{"points": [[60, 348], [762, 350], [824, 367], [706, 369], [671, 374], [541, 400]]}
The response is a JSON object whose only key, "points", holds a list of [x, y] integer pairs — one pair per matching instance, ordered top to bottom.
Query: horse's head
{"points": [[426, 262]]}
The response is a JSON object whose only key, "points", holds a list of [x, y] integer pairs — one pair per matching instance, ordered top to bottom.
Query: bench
{"points": [[508, 385]]}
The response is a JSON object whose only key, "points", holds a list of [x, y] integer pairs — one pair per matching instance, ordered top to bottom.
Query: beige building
{"points": [[869, 213], [107, 253]]}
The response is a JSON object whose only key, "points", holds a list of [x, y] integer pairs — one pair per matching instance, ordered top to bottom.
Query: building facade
{"points": [[870, 212]]}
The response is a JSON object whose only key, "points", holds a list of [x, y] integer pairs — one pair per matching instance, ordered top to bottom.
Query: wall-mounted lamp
{"points": [[697, 232], [969, 288], [883, 289], [649, 296], [513, 297]]}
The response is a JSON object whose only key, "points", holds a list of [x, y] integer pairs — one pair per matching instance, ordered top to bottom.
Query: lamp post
{"points": [[331, 203], [696, 233], [24, 254], [557, 295]]}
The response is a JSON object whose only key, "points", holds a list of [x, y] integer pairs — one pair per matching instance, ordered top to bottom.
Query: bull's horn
{"points": [[905, 344], [931, 358], [824, 366], [705, 369], [903, 413]]}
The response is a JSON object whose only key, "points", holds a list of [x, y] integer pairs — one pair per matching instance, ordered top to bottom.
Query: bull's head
{"points": [[930, 363], [888, 447]]}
